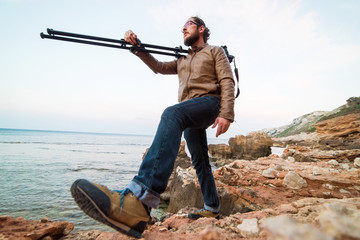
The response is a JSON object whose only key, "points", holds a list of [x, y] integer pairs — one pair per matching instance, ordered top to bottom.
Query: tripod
{"points": [[113, 43], [122, 44]]}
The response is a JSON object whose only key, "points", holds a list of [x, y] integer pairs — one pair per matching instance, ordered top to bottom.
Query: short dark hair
{"points": [[199, 23]]}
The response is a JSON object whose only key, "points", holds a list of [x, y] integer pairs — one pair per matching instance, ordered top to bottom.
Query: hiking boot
{"points": [[120, 210], [203, 213]]}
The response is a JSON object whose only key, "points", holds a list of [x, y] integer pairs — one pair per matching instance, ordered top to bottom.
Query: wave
{"points": [[87, 144], [101, 152], [89, 168]]}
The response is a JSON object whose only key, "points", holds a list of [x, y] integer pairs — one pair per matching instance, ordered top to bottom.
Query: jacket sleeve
{"points": [[157, 66], [227, 84]]}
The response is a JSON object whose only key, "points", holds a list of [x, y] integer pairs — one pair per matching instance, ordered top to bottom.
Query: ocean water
{"points": [[37, 169]]}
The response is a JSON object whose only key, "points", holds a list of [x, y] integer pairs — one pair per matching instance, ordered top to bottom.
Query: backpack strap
{"points": [[236, 71]]}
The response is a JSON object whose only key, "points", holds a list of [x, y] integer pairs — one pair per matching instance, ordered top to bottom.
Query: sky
{"points": [[294, 57]]}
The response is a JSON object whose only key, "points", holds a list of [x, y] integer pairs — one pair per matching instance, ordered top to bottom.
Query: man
{"points": [[206, 96]]}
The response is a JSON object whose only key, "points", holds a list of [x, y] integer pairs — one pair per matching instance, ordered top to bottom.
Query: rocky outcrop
{"points": [[307, 122], [341, 126], [341, 132], [252, 146], [220, 151], [308, 154], [183, 161], [267, 182], [183, 185], [312, 191], [317, 199], [307, 218], [21, 229]]}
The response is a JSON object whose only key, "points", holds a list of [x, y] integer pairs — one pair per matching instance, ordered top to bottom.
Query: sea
{"points": [[38, 167]]}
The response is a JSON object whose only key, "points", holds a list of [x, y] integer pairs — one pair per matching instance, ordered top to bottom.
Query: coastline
{"points": [[312, 190]]}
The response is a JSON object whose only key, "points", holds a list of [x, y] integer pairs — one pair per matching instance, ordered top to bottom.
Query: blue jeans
{"points": [[191, 117]]}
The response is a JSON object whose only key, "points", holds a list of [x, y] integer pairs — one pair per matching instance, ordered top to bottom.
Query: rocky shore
{"points": [[311, 191]]}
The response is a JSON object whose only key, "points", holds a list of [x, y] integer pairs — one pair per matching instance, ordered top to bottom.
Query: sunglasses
{"points": [[189, 23]]}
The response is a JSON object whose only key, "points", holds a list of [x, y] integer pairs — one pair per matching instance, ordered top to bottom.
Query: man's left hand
{"points": [[223, 125]]}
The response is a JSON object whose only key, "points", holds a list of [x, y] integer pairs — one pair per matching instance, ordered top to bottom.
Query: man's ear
{"points": [[201, 28]]}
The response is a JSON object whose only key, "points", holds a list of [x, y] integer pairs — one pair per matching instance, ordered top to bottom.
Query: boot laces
{"points": [[122, 193]]}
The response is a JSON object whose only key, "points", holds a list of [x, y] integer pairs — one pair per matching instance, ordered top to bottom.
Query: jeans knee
{"points": [[171, 113], [200, 165]]}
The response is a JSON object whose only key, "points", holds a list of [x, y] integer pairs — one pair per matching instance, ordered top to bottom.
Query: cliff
{"points": [[307, 122]]}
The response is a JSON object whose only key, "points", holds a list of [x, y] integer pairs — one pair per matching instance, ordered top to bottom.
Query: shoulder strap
{"points": [[236, 71]]}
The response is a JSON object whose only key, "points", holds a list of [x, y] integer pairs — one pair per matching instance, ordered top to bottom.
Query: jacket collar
{"points": [[197, 49]]}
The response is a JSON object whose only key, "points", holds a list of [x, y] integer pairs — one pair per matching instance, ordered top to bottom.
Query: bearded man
{"points": [[206, 97]]}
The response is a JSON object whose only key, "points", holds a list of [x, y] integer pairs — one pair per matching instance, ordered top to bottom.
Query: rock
{"points": [[340, 126], [341, 132], [337, 133], [253, 146], [220, 150], [182, 152], [298, 154], [313, 154], [291, 159], [182, 161], [219, 162], [333, 162], [357, 162], [345, 166], [269, 173], [294, 181], [243, 188], [185, 190], [344, 191], [230, 204], [300, 219], [340, 221], [19, 228], [249, 228], [286, 228], [210, 233], [85, 235]]}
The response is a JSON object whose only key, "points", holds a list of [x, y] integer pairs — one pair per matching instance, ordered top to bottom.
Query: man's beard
{"points": [[192, 39]]}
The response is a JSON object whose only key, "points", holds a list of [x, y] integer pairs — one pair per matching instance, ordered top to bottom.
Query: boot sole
{"points": [[87, 205]]}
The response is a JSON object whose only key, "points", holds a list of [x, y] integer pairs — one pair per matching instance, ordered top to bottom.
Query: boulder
{"points": [[252, 146], [220, 150], [183, 161], [357, 162], [294, 181], [184, 190], [19, 228], [249, 228], [291, 229]]}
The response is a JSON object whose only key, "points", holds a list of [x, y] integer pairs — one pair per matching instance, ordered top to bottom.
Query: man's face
{"points": [[191, 32]]}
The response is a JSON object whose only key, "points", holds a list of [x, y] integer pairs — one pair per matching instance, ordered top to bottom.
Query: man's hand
{"points": [[131, 37], [223, 125]]}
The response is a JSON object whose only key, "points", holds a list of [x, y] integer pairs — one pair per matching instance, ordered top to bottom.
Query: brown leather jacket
{"points": [[205, 71]]}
